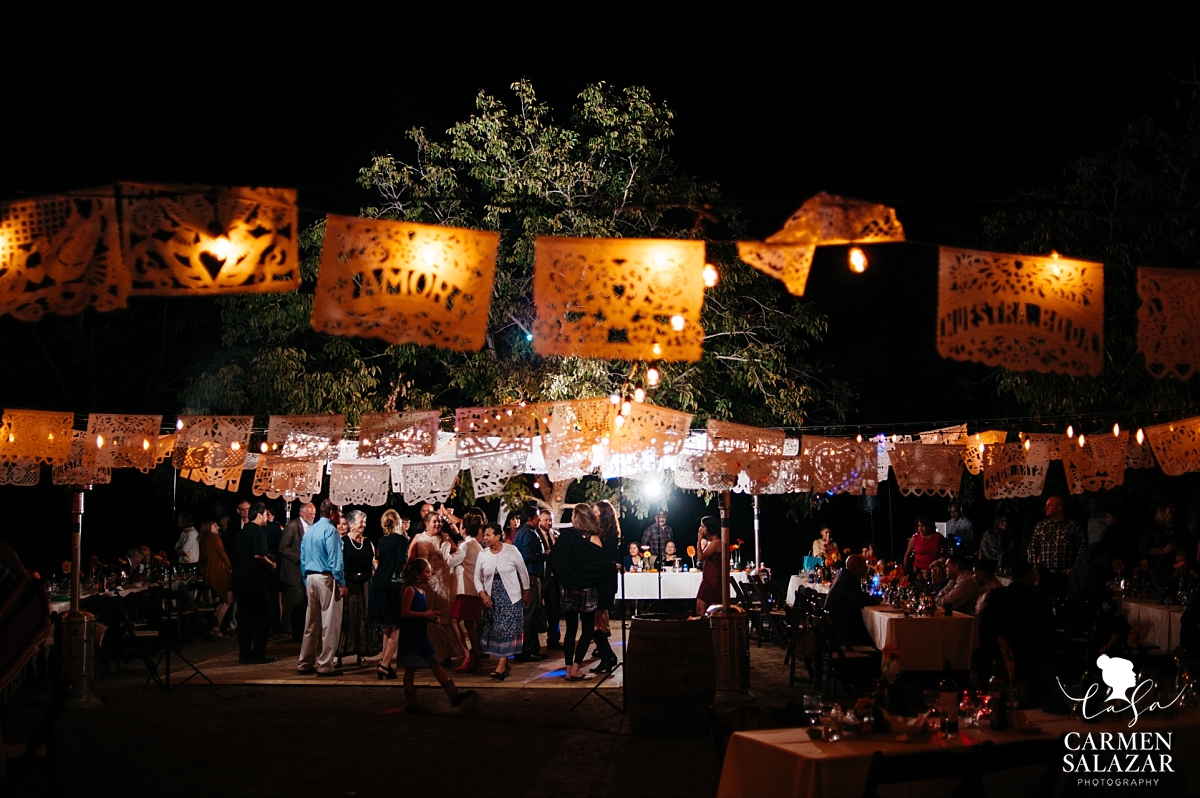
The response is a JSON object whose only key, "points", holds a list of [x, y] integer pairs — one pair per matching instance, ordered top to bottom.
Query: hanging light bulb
{"points": [[222, 248], [858, 260], [710, 275], [678, 322], [657, 349], [652, 377], [639, 395], [615, 398], [626, 407], [619, 421], [178, 424], [1117, 430], [1070, 431], [1140, 436], [12, 438], [858, 438], [1081, 440], [99, 441], [1027, 444], [145, 445], [236, 446], [263, 448], [536, 485]]}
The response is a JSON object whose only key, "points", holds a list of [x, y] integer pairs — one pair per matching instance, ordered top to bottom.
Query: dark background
{"points": [[946, 122]]}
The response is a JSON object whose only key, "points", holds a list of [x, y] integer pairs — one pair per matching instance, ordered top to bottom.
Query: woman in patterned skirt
{"points": [[358, 556], [503, 585]]}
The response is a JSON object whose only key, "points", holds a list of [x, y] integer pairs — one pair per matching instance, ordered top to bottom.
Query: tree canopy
{"points": [[511, 167]]}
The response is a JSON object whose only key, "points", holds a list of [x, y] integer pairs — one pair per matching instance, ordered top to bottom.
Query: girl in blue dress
{"points": [[416, 650]]}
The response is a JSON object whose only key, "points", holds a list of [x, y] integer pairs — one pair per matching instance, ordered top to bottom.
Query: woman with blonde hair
{"points": [[442, 554], [582, 566], [384, 607]]}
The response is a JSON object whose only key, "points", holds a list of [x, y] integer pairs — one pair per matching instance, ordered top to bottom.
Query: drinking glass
{"points": [[930, 697]]}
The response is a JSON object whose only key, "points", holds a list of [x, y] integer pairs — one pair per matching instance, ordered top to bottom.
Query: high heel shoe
{"points": [[469, 665], [605, 666], [385, 673], [500, 676]]}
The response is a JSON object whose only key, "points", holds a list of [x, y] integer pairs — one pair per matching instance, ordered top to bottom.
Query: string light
{"points": [[222, 248], [858, 260], [710, 275], [678, 322], [657, 349], [652, 377], [639, 395], [615, 398], [626, 407], [619, 421], [179, 425], [1117, 430], [1070, 431], [1140, 436], [858, 438], [99, 441], [1081, 441], [1027, 444], [145, 445], [235, 446], [263, 448], [536, 485]]}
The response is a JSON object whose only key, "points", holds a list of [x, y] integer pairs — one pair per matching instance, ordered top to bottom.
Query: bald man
{"points": [[1056, 547], [295, 600], [846, 600]]}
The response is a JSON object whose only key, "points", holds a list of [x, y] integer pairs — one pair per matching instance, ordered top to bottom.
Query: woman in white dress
{"points": [[443, 555]]}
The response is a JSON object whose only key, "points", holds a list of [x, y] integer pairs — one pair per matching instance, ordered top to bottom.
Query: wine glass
{"points": [[931, 697]]}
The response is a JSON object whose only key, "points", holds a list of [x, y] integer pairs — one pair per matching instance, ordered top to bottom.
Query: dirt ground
{"points": [[272, 737]]}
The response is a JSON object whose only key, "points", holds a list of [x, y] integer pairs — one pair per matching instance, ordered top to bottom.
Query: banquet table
{"points": [[801, 580], [666, 585], [57, 607], [1162, 623], [926, 641], [785, 763]]}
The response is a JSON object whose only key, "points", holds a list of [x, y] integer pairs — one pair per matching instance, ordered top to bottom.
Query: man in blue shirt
{"points": [[959, 528], [533, 552], [325, 584]]}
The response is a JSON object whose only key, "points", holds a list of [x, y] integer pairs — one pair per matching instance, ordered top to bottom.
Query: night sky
{"points": [[945, 124]]}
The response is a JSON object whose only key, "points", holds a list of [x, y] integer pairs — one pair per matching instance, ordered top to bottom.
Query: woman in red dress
{"points": [[708, 545], [924, 545]]}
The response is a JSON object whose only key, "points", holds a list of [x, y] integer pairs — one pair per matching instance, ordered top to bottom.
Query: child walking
{"points": [[416, 650]]}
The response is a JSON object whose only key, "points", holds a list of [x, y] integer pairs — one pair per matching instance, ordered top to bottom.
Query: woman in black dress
{"points": [[610, 544], [358, 557], [582, 567], [384, 607]]}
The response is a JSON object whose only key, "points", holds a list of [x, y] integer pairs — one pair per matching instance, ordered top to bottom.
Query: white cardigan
{"points": [[510, 567]]}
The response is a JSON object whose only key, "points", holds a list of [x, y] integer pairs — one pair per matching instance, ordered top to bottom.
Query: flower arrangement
{"points": [[691, 551], [831, 555]]}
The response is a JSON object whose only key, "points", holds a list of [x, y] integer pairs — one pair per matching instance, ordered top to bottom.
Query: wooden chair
{"points": [[752, 607], [774, 609], [803, 643], [841, 664], [964, 767]]}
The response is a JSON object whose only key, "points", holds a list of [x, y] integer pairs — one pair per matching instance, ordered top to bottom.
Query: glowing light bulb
{"points": [[222, 248], [429, 254], [858, 261], [710, 275], [678, 322], [528, 336], [657, 350], [652, 377], [639, 395], [615, 398], [626, 408], [509, 411], [619, 421], [178, 424], [1116, 430], [1070, 431], [51, 436], [1140, 436], [12, 438], [858, 438], [1081, 440], [99, 441], [145, 445], [1027, 445], [235, 446], [263, 448], [981, 448], [536, 485], [653, 489]]}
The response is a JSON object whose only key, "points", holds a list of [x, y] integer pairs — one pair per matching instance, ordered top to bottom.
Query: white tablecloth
{"points": [[801, 580], [646, 586], [63, 606], [1161, 623], [926, 642], [785, 763]]}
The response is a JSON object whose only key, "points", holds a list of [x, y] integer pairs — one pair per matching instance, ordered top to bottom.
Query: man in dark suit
{"points": [[273, 530], [533, 552], [249, 583], [295, 600], [846, 600]]}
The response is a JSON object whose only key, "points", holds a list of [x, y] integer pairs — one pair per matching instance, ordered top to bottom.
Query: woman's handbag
{"points": [[585, 600]]}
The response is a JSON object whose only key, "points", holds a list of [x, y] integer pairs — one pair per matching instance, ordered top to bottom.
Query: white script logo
{"points": [[1117, 673]]}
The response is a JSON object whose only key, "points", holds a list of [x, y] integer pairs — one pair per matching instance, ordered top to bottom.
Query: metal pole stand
{"points": [[78, 628], [174, 642], [621, 662]]}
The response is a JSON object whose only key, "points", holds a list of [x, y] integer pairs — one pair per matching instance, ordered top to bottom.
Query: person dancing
{"points": [[582, 566], [503, 586], [416, 650]]}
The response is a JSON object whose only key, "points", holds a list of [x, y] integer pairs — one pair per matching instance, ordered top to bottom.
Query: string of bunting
{"points": [[632, 299]]}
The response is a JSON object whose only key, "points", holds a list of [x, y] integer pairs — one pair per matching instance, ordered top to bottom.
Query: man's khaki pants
{"points": [[322, 624]]}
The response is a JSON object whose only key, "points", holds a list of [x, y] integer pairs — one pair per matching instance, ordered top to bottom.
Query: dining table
{"points": [[804, 579], [658, 585], [1160, 622], [925, 642], [788, 763]]}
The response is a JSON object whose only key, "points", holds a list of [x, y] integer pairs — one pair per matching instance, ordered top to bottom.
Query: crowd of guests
{"points": [[1061, 572]]}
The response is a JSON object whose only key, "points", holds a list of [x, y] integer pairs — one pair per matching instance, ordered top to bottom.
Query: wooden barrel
{"points": [[670, 675]]}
